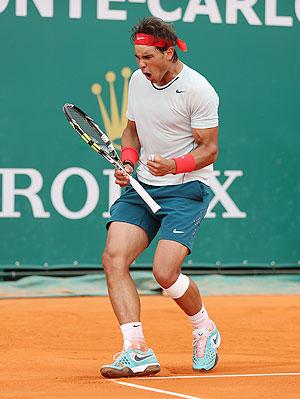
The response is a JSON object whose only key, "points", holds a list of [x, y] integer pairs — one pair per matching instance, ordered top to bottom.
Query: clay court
{"points": [[53, 347]]}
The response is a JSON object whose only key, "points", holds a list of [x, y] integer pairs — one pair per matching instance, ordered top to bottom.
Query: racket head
{"points": [[90, 132]]}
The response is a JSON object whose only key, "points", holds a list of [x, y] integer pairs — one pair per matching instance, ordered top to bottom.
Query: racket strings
{"points": [[87, 127], [91, 133]]}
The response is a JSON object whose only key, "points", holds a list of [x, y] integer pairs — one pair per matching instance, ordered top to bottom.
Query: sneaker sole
{"points": [[110, 372]]}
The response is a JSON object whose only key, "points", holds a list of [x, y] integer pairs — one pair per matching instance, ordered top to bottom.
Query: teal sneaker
{"points": [[205, 347], [131, 363]]}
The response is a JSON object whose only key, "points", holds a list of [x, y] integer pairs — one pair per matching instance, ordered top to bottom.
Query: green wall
{"points": [[48, 57]]}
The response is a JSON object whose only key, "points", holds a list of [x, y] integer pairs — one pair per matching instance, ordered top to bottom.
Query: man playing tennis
{"points": [[173, 131]]}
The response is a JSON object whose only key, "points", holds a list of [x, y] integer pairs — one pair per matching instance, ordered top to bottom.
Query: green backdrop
{"points": [[53, 52]]}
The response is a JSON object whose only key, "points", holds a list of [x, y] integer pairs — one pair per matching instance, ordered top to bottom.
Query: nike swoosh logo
{"points": [[180, 91], [175, 231], [214, 341], [139, 358]]}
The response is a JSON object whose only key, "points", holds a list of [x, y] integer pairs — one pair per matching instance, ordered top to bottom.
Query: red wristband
{"points": [[129, 154], [184, 164]]}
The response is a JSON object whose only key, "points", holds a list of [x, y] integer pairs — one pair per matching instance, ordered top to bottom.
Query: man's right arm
{"points": [[130, 136], [129, 139]]}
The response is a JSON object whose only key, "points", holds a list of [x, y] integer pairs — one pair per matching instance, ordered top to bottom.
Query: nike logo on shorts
{"points": [[180, 91], [175, 231]]}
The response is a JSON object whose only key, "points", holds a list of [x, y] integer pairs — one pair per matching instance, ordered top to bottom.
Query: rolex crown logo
{"points": [[114, 123]]}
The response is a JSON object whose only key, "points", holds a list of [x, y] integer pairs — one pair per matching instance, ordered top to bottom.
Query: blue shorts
{"points": [[183, 207]]}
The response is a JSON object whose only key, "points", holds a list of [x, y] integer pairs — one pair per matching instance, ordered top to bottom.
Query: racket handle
{"points": [[143, 193]]}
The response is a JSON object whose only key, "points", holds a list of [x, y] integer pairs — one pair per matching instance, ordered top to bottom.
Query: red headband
{"points": [[150, 40]]}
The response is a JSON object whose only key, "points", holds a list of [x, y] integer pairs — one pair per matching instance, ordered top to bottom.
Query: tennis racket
{"points": [[91, 133]]}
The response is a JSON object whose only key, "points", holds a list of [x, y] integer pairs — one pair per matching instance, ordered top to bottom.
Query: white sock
{"points": [[201, 320], [132, 332]]}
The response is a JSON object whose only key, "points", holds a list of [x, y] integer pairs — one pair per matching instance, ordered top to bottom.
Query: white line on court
{"points": [[217, 376], [179, 395]]}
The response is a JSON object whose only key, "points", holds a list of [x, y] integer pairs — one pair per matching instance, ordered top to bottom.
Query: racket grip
{"points": [[144, 195]]}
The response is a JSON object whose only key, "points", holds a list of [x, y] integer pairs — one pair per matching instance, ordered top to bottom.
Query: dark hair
{"points": [[158, 28]]}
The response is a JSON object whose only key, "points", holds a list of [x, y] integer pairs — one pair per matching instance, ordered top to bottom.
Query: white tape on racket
{"points": [[143, 193]]}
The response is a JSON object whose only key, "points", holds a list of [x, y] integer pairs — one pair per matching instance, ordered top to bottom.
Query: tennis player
{"points": [[172, 131]]}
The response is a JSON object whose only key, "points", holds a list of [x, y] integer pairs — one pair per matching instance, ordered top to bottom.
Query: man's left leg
{"points": [[168, 259]]}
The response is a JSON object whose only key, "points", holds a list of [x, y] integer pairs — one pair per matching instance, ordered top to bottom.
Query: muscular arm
{"points": [[129, 139], [205, 153]]}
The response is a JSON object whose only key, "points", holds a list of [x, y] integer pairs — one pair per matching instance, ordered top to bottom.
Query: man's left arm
{"points": [[206, 151], [204, 154]]}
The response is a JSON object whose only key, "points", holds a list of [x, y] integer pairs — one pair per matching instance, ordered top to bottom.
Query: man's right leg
{"points": [[124, 244]]}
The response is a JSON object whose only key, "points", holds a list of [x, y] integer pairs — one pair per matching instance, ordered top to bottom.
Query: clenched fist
{"points": [[159, 166]]}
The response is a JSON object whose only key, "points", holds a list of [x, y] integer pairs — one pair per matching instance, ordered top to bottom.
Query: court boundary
{"points": [[218, 376], [145, 388], [186, 396]]}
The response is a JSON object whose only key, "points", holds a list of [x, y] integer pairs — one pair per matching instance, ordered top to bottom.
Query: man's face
{"points": [[153, 63]]}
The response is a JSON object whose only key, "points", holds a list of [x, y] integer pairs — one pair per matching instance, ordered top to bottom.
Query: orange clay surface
{"points": [[52, 348]]}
